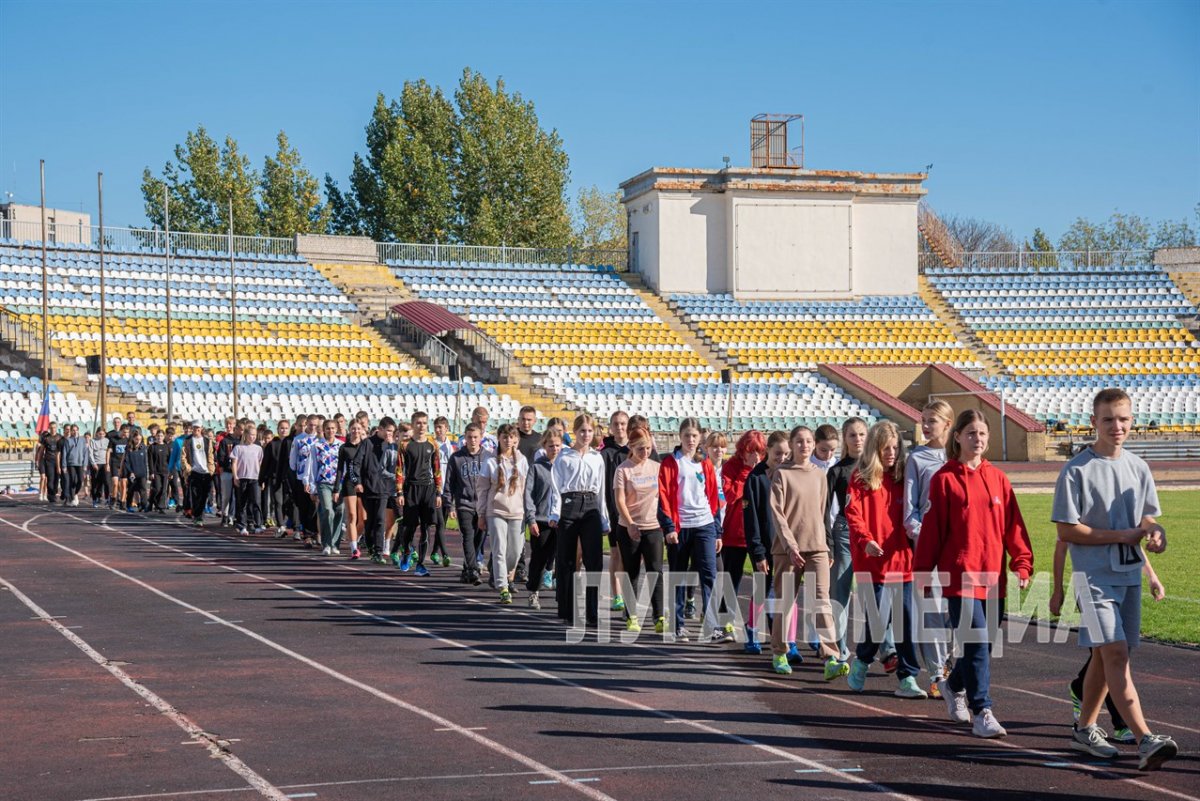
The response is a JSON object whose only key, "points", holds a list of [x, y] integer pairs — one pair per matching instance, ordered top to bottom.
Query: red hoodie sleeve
{"points": [[668, 475], [710, 488], [856, 516], [933, 528], [1016, 536]]}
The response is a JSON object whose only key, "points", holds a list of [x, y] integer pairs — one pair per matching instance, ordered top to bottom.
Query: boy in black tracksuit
{"points": [[159, 457], [418, 476], [378, 486], [465, 490]]}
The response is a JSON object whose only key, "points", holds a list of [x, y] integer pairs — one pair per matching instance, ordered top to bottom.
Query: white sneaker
{"points": [[298, 537], [326, 551], [956, 703], [986, 726], [1092, 740]]}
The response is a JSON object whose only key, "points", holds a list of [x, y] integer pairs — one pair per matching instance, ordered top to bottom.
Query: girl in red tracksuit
{"points": [[749, 451], [687, 511], [973, 520], [881, 551]]}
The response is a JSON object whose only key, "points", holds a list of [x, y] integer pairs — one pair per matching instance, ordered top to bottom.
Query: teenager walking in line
{"points": [[750, 449], [614, 451], [160, 459], [923, 461], [98, 467], [136, 471], [418, 477], [322, 484], [346, 487], [798, 491], [465, 494], [688, 507], [1106, 507], [509, 508], [578, 511], [972, 522], [759, 526], [639, 534], [542, 548], [882, 555], [841, 577]]}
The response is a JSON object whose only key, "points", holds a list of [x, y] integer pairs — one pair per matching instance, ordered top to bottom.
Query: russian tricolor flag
{"points": [[43, 421]]}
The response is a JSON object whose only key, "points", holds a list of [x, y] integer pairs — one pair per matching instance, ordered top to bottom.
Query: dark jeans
{"points": [[52, 479], [99, 479], [72, 481], [159, 483], [199, 485], [139, 486], [248, 501], [375, 508], [306, 510], [579, 525], [472, 539], [697, 547], [542, 551], [647, 552], [732, 560], [906, 648], [973, 671]]}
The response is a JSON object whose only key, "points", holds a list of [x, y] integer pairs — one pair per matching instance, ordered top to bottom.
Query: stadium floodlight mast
{"points": [[167, 251], [45, 294], [233, 310], [103, 315]]}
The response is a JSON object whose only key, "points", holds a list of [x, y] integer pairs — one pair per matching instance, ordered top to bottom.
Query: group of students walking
{"points": [[928, 536]]}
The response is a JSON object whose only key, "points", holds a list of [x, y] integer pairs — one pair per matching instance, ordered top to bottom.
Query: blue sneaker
{"points": [[405, 563], [421, 571], [547, 580], [752, 645], [794, 657], [857, 678]]}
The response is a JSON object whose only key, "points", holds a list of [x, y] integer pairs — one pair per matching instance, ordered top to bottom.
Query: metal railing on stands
{"points": [[144, 240], [411, 252], [1021, 260]]}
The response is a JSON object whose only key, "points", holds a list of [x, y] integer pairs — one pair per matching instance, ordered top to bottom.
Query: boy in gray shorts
{"points": [[1105, 506]]}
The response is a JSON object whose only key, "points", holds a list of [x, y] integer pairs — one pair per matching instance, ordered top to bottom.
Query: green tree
{"points": [[477, 169], [511, 176], [200, 182], [291, 196], [600, 220], [1174, 234], [1041, 242], [1041, 250]]}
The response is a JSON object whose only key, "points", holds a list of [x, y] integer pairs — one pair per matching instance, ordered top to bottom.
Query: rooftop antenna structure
{"points": [[769, 142]]}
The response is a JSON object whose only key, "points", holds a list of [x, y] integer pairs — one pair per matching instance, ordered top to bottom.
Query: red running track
{"points": [[238, 668]]}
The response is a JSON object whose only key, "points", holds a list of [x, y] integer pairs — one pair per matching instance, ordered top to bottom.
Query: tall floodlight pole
{"points": [[45, 294], [233, 309], [103, 310], [170, 361]]}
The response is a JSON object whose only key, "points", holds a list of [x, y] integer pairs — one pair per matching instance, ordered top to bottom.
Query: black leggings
{"points": [[99, 478], [579, 525], [543, 551], [648, 551], [733, 562], [1118, 722]]}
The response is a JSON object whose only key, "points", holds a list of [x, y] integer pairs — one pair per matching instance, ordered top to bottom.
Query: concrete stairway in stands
{"points": [[373, 288], [946, 313], [715, 357]]}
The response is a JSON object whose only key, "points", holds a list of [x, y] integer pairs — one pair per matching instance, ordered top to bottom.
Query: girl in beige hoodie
{"points": [[798, 492]]}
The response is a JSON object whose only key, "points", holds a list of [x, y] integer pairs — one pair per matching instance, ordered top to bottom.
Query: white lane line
{"points": [[1065, 701], [649, 710], [499, 748], [215, 749], [451, 777]]}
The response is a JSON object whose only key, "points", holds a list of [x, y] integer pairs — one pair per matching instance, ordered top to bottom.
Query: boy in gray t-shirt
{"points": [[1105, 506]]}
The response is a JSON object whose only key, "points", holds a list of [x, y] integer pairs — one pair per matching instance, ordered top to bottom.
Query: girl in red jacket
{"points": [[749, 451], [687, 511], [973, 520], [882, 556]]}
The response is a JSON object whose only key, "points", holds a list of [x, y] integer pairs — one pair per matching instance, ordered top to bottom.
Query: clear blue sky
{"points": [[1033, 113]]}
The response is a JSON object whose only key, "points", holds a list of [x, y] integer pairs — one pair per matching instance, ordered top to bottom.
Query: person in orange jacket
{"points": [[972, 522]]}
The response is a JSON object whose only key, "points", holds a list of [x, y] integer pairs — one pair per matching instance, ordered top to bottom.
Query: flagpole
{"points": [[103, 311]]}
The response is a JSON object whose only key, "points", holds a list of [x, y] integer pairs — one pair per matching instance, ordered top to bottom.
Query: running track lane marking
{"points": [[941, 726], [737, 738], [1015, 748], [503, 750], [823, 768], [264, 787]]}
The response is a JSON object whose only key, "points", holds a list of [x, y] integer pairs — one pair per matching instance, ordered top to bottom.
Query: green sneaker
{"points": [[433, 557], [445, 561], [505, 597], [618, 604], [631, 624], [660, 625], [729, 628], [780, 665], [835, 669], [910, 689], [1076, 703], [1123, 735]]}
